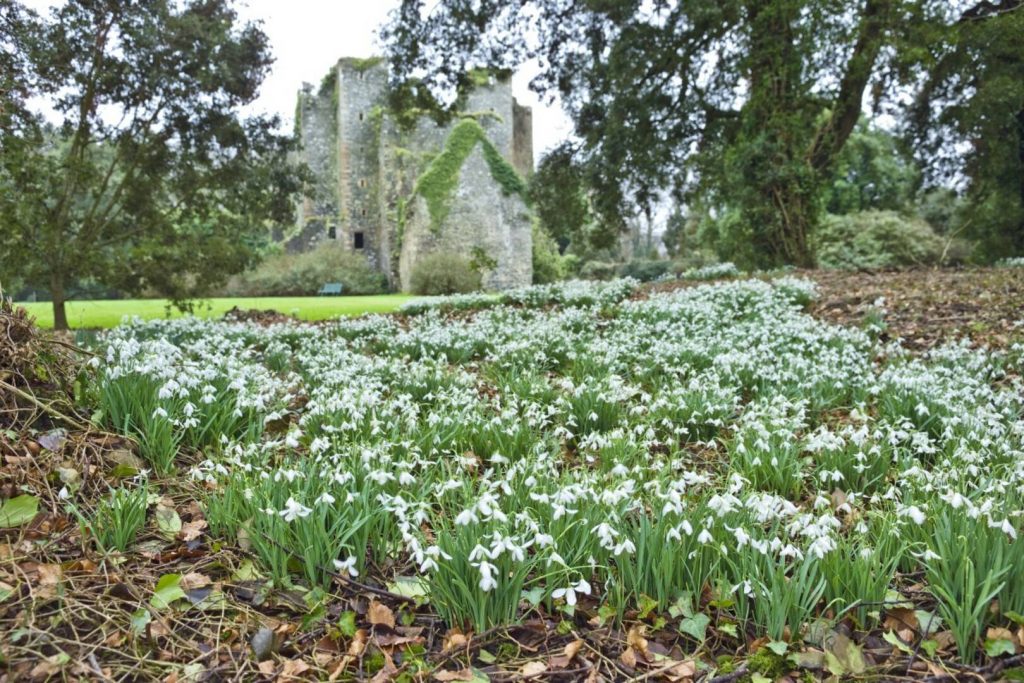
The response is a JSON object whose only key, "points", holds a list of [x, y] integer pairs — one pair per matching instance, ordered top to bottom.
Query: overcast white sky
{"points": [[308, 36]]}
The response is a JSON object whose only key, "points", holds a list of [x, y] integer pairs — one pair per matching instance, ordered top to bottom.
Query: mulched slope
{"points": [[922, 307], [926, 307]]}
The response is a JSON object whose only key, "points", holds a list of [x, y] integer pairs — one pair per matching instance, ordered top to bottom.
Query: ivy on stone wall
{"points": [[438, 182]]}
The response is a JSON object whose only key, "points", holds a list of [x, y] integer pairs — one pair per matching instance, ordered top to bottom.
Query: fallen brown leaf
{"points": [[190, 531], [194, 580], [380, 614], [635, 640], [294, 668], [532, 669], [461, 675]]}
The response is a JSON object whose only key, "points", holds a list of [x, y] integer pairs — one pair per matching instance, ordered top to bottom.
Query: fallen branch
{"points": [[45, 407]]}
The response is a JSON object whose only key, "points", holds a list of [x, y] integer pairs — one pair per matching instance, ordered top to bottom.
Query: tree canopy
{"points": [[742, 104], [139, 170]]}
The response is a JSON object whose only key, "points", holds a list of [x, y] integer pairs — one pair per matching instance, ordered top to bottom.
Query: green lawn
{"points": [[93, 314]]}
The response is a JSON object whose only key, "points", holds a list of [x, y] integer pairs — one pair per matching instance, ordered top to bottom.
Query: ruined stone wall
{"points": [[360, 96], [316, 125], [522, 139], [366, 170], [481, 215]]}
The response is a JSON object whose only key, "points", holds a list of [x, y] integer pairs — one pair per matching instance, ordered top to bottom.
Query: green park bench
{"points": [[330, 289]]}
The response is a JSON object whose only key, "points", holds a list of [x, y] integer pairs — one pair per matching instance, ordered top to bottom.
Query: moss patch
{"points": [[361, 64], [439, 181]]}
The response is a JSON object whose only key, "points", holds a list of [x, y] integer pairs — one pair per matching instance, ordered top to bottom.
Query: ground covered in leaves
{"points": [[190, 600]]}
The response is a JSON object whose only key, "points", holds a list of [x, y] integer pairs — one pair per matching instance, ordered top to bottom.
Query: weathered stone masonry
{"points": [[382, 190]]}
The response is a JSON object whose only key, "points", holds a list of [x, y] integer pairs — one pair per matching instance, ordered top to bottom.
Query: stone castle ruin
{"points": [[397, 190]]}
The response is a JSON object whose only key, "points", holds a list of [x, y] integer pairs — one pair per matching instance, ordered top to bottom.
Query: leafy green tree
{"points": [[729, 94], [744, 106], [967, 121], [871, 173], [143, 175], [559, 196], [674, 236]]}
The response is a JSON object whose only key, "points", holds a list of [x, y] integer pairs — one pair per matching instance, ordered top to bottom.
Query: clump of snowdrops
{"points": [[564, 444]]}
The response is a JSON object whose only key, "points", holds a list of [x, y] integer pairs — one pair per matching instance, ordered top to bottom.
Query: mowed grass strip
{"points": [[110, 313]]}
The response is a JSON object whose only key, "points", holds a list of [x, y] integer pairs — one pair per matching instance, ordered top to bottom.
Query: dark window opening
{"points": [[360, 116], [362, 183], [363, 211], [332, 232], [357, 239]]}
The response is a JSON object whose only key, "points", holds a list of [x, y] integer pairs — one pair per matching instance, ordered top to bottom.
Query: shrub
{"points": [[876, 239], [548, 265], [598, 270], [645, 270], [442, 273], [304, 274]]}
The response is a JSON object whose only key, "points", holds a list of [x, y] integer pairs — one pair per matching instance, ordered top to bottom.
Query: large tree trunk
{"points": [[780, 204], [60, 317]]}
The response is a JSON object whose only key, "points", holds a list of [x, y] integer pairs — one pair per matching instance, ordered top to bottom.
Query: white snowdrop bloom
{"points": [[160, 412], [292, 440], [406, 479], [64, 494], [325, 498], [294, 510], [561, 511], [914, 513], [466, 517], [1006, 527], [605, 534], [741, 535], [704, 537], [543, 540], [625, 546], [821, 546], [790, 550], [927, 556], [555, 558], [347, 566], [487, 580], [570, 592]]}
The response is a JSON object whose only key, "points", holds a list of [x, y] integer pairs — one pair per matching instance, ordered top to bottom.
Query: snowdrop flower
{"points": [[325, 498], [293, 510], [914, 513], [465, 518], [626, 546], [928, 555], [555, 558], [347, 566], [487, 580], [570, 593]]}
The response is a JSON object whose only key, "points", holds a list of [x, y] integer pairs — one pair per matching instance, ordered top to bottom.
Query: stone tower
{"points": [[396, 192]]}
